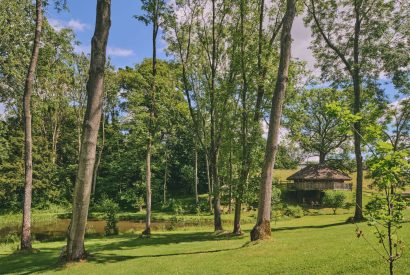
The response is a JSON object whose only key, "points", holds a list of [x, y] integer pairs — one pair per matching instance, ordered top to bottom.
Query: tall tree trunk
{"points": [[155, 26], [95, 88], [244, 128], [28, 142], [214, 147], [97, 165], [196, 176], [208, 178], [230, 178], [165, 179], [358, 215], [262, 228], [147, 230]]}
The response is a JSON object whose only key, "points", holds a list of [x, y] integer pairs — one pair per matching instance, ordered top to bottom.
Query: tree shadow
{"points": [[309, 226], [156, 239], [112, 258], [47, 259], [28, 263]]}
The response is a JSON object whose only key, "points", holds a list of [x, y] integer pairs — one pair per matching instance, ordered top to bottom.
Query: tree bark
{"points": [[155, 27], [95, 86], [244, 126], [28, 142], [214, 146], [322, 157], [97, 165], [196, 176], [208, 177], [230, 178], [165, 179], [358, 214], [262, 228], [147, 230]]}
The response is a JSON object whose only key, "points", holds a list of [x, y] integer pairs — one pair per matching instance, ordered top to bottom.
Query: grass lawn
{"points": [[310, 245]]}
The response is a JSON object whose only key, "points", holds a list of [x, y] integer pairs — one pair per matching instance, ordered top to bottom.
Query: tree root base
{"points": [[261, 231], [146, 233], [64, 257]]}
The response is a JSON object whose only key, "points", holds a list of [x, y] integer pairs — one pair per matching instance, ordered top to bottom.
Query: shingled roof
{"points": [[319, 172]]}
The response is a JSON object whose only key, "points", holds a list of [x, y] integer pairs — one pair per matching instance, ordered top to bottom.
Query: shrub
{"points": [[334, 200], [139, 203], [176, 206], [110, 210], [294, 211]]}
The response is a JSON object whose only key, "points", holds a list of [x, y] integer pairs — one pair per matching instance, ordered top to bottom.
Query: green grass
{"points": [[309, 245]]}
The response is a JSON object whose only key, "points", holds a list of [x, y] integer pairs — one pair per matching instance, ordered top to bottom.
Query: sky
{"points": [[129, 40]]}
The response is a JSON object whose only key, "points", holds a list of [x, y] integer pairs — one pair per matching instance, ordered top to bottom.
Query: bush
{"points": [[334, 200], [139, 203], [110, 210], [294, 211]]}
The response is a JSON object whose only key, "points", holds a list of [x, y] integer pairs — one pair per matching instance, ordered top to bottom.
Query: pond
{"points": [[58, 228]]}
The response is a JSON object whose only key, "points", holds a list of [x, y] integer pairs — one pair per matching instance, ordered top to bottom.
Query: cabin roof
{"points": [[319, 172]]}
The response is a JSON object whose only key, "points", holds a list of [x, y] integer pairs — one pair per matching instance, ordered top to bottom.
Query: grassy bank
{"points": [[309, 245]]}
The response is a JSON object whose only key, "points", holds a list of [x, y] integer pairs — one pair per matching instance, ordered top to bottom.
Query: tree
{"points": [[155, 10], [259, 25], [353, 45], [203, 47], [95, 86], [312, 126], [28, 142], [390, 170], [334, 200], [262, 228]]}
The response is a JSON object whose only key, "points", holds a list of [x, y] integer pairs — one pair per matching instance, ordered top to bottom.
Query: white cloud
{"points": [[74, 24], [77, 25], [302, 37], [111, 51], [120, 52]]}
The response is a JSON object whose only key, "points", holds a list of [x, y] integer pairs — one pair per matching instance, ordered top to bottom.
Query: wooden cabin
{"points": [[311, 181]]}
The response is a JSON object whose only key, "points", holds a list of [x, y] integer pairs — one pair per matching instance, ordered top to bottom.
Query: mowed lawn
{"points": [[310, 245]]}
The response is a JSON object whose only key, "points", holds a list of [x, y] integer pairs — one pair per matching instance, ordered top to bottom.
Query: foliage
{"points": [[312, 126], [390, 170], [334, 200], [110, 210], [293, 211]]}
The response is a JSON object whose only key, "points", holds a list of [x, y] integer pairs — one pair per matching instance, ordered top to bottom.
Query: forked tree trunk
{"points": [[95, 86], [28, 142], [262, 229]]}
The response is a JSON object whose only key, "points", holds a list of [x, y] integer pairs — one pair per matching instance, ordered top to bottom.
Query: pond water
{"points": [[58, 228]]}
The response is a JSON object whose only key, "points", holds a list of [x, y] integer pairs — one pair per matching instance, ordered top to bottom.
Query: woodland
{"points": [[180, 164]]}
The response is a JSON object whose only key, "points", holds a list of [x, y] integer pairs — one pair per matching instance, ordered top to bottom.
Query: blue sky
{"points": [[129, 40]]}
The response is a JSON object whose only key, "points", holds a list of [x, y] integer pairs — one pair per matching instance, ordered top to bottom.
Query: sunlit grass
{"points": [[309, 245]]}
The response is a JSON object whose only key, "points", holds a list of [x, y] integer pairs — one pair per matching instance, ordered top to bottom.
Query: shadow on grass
{"points": [[310, 226], [112, 258], [47, 259], [28, 263]]}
